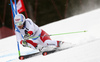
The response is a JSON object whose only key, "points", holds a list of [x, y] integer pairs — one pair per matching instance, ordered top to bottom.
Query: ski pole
{"points": [[14, 11], [59, 34]]}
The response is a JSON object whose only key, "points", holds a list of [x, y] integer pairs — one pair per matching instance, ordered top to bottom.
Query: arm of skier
{"points": [[30, 26], [18, 36], [20, 39]]}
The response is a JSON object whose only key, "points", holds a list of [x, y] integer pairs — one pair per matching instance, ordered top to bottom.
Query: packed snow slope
{"points": [[89, 42]]}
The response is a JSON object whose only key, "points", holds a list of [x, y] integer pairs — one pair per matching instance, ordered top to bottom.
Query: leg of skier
{"points": [[42, 41], [47, 42]]}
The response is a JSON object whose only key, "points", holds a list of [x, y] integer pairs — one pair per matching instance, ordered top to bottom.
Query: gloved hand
{"points": [[29, 33], [26, 37], [24, 43]]}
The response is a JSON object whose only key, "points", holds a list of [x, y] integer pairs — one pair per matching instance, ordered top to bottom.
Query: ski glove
{"points": [[29, 33], [26, 37], [24, 43]]}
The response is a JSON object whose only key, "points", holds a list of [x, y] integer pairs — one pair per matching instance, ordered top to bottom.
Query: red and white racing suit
{"points": [[32, 29]]}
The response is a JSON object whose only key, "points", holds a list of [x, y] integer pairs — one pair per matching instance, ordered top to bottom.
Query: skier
{"points": [[26, 29]]}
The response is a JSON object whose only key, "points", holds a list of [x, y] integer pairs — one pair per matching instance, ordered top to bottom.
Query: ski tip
{"points": [[44, 53], [21, 58]]}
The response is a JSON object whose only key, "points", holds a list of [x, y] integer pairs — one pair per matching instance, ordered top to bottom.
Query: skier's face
{"points": [[20, 26]]}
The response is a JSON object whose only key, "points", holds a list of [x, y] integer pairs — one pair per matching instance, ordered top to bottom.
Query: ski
{"points": [[64, 46], [68, 47], [54, 50], [48, 52], [44, 53], [23, 57]]}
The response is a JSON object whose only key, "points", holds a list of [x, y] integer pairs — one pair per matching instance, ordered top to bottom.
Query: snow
{"points": [[87, 51]]}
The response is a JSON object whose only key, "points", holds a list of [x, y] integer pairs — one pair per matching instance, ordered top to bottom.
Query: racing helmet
{"points": [[19, 19]]}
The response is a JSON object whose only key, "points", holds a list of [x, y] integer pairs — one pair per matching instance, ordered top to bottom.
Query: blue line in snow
{"points": [[13, 54], [8, 55], [10, 60]]}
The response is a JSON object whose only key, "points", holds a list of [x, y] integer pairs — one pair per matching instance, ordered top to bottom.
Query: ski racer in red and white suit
{"points": [[27, 28]]}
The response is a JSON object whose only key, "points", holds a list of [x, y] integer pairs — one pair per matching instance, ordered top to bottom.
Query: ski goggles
{"points": [[18, 23]]}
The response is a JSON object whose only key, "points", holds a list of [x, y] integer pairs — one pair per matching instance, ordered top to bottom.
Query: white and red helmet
{"points": [[19, 19]]}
